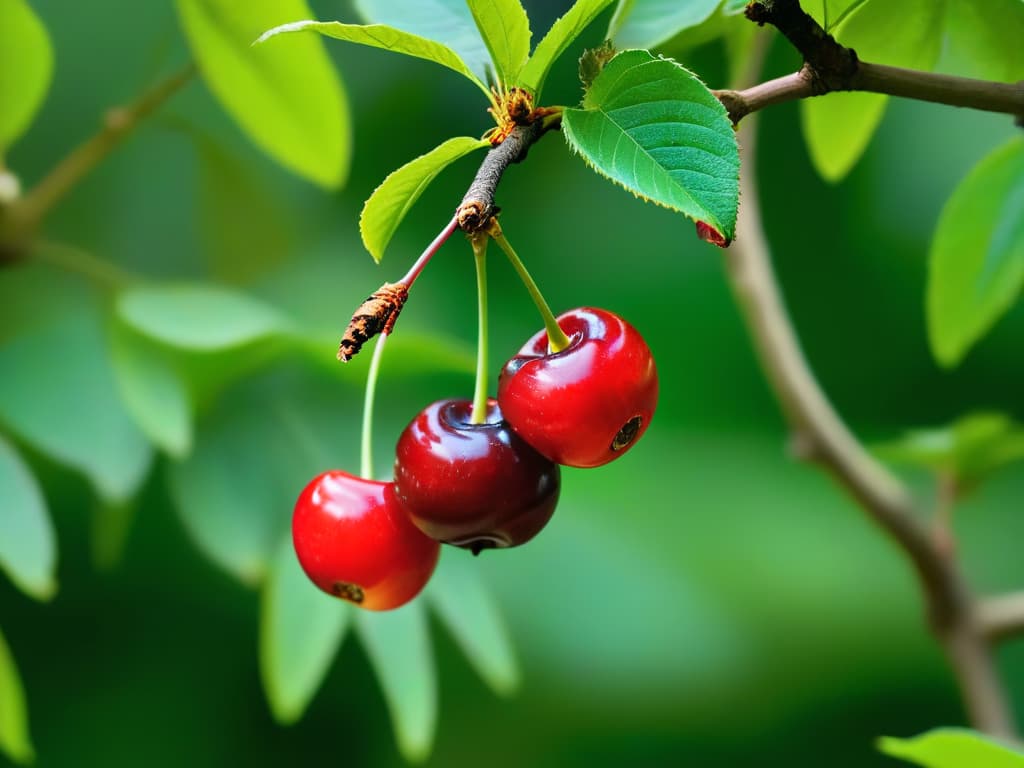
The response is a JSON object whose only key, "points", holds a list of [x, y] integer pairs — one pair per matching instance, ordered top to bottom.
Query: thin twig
{"points": [[830, 67], [950, 90], [118, 123], [477, 206], [827, 440], [1002, 616]]}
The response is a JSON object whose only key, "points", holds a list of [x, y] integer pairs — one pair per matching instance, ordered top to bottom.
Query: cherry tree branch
{"points": [[830, 67], [879, 78], [477, 206], [22, 218], [821, 435], [1002, 616]]}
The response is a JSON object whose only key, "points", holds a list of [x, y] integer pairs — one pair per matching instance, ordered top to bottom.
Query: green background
{"points": [[704, 601]]}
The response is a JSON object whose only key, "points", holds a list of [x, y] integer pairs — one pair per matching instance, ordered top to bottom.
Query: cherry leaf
{"points": [[449, 22], [646, 23], [505, 28], [563, 32], [382, 36], [26, 68], [288, 99], [652, 127], [839, 127], [391, 201], [976, 263], [199, 316], [153, 391], [74, 415], [968, 450], [28, 547], [470, 612], [301, 629], [398, 645], [14, 735], [952, 748]]}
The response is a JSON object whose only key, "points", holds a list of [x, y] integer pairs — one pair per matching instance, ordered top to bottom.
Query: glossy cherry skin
{"points": [[588, 403], [476, 486], [355, 542]]}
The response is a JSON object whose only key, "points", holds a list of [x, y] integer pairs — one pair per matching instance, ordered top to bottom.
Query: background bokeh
{"points": [[704, 601]]}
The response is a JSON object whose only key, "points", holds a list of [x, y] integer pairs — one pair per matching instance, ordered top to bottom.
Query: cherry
{"points": [[588, 403], [476, 486], [355, 542]]}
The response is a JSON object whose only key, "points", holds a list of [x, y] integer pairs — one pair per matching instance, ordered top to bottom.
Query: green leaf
{"points": [[733, 7], [831, 13], [449, 22], [646, 23], [505, 28], [562, 33], [388, 38], [983, 39], [681, 45], [26, 68], [288, 99], [839, 126], [654, 128], [389, 203], [244, 226], [976, 262], [198, 316], [152, 390], [64, 402], [968, 450], [236, 491], [28, 549], [470, 612], [301, 629], [398, 645], [14, 736], [952, 748]]}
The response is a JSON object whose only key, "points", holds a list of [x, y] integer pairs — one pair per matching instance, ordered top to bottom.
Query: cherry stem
{"points": [[428, 254], [557, 340], [479, 412], [366, 445]]}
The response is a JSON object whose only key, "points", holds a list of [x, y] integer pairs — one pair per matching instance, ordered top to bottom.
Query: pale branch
{"points": [[830, 67], [950, 90], [23, 217], [825, 438], [1002, 616]]}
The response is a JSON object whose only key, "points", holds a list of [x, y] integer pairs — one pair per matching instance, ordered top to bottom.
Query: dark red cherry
{"points": [[588, 403], [472, 485], [355, 542]]}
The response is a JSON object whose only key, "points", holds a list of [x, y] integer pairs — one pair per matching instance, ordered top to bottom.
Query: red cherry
{"points": [[588, 403], [472, 485], [355, 542]]}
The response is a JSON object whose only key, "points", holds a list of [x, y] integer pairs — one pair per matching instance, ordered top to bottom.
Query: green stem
{"points": [[117, 126], [72, 259], [557, 340], [479, 412], [366, 445]]}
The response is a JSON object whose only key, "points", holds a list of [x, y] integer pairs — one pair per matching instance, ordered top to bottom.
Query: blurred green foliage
{"points": [[705, 600]]}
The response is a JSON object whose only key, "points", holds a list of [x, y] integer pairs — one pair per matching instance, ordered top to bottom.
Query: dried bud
{"points": [[594, 60], [473, 216], [708, 233], [375, 315]]}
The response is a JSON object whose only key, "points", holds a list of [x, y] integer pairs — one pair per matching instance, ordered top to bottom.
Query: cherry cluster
{"points": [[484, 482]]}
